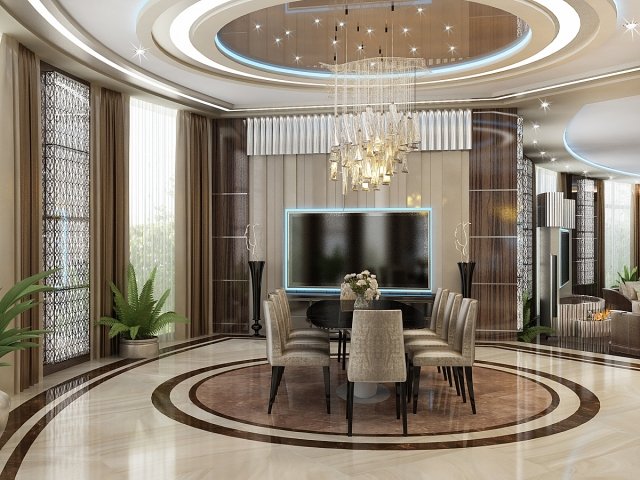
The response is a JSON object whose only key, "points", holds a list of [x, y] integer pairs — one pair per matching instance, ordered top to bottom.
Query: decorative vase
{"points": [[256, 267], [466, 277], [361, 303], [139, 348], [5, 408]]}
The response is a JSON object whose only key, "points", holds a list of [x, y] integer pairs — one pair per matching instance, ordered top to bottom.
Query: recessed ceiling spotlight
{"points": [[420, 10], [316, 22], [341, 24], [258, 26], [631, 27], [448, 28], [369, 30], [405, 31], [287, 32], [278, 40], [334, 42], [360, 47], [452, 49], [413, 50], [139, 52], [297, 58], [545, 104], [536, 126], [535, 142], [542, 154], [553, 159], [584, 172]]}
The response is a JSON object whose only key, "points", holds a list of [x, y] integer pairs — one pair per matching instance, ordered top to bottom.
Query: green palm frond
{"points": [[14, 303], [139, 315]]}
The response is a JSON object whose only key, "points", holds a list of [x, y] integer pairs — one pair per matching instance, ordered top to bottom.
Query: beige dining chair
{"points": [[435, 321], [297, 332], [311, 340], [281, 354], [377, 356], [461, 356]]}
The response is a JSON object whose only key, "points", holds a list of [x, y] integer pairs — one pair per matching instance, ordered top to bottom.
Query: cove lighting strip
{"points": [[55, 23], [181, 26], [580, 158]]}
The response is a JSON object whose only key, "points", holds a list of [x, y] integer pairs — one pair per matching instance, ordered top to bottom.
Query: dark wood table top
{"points": [[338, 314]]}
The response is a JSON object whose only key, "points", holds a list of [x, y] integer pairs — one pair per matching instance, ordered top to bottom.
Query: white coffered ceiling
{"points": [[578, 56]]}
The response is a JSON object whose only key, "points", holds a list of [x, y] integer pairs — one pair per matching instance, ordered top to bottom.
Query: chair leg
{"points": [[339, 344], [344, 349], [438, 369], [458, 371], [468, 371], [444, 372], [276, 376], [449, 376], [456, 380], [350, 386], [327, 387], [416, 387], [409, 388], [397, 401], [404, 408]]}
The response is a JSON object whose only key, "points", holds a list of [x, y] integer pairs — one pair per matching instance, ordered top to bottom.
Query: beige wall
{"points": [[439, 180]]}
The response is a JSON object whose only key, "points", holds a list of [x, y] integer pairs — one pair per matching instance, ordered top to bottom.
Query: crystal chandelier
{"points": [[375, 125]]}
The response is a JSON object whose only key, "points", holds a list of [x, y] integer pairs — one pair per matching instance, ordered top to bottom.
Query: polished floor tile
{"points": [[199, 411]]}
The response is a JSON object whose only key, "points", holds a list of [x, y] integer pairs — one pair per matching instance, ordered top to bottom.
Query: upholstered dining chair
{"points": [[437, 315], [297, 332], [343, 334], [307, 339], [445, 340], [281, 354], [377, 356], [461, 356]]}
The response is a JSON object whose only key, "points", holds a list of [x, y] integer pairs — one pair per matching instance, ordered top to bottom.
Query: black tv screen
{"points": [[322, 246], [565, 256]]}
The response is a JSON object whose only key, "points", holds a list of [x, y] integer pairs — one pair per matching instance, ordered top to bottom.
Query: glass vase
{"points": [[361, 303]]}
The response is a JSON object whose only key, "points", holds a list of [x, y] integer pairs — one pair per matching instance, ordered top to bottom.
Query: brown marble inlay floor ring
{"points": [[242, 395], [588, 407]]}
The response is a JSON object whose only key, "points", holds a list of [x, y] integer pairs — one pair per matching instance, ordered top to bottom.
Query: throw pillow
{"points": [[632, 287], [625, 290]]}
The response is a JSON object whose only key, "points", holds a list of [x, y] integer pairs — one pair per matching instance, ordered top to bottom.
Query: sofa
{"points": [[625, 298], [625, 333]]}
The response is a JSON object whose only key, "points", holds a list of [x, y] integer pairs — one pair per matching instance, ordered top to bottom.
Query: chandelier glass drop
{"points": [[375, 124]]}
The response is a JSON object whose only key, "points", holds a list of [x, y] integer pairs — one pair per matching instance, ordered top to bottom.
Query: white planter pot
{"points": [[145, 348], [5, 407]]}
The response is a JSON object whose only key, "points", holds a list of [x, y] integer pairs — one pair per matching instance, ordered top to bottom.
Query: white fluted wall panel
{"points": [[311, 134]]}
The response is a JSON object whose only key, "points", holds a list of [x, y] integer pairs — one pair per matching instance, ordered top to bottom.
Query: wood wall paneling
{"points": [[492, 213], [230, 215]]}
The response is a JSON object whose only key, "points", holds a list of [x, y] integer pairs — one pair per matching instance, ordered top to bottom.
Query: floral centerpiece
{"points": [[364, 285]]}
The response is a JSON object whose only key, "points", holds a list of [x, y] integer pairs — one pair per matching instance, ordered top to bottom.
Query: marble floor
{"points": [[199, 411]]}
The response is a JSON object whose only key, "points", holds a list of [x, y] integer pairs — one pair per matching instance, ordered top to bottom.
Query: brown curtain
{"points": [[193, 148], [30, 158], [109, 207], [635, 225]]}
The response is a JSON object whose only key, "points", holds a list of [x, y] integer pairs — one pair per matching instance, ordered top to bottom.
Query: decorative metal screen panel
{"points": [[65, 172], [524, 226], [585, 232]]}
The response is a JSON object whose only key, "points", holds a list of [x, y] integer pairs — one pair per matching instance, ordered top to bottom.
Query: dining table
{"points": [[334, 314]]}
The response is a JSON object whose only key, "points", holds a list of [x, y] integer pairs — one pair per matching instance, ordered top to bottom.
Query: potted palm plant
{"points": [[138, 317], [12, 339]]}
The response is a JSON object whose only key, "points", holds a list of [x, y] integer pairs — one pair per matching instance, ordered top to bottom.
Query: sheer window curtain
{"points": [[152, 160], [546, 180], [109, 208], [193, 223], [617, 229]]}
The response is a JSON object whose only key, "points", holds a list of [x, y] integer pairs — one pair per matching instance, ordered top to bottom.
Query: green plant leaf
{"points": [[23, 288], [117, 328], [133, 332]]}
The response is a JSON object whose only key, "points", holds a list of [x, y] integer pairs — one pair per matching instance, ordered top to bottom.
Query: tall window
{"points": [[152, 158], [546, 180], [65, 196], [617, 229]]}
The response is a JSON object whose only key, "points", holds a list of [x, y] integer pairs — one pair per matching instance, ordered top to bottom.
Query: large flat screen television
{"points": [[322, 246]]}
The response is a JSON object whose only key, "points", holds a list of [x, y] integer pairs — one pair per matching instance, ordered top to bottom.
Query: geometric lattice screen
{"points": [[65, 177], [524, 224]]}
